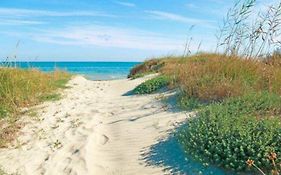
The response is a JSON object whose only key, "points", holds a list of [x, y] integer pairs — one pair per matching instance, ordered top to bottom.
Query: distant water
{"points": [[91, 70]]}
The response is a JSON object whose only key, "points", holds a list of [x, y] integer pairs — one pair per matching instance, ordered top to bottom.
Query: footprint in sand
{"points": [[103, 139]]}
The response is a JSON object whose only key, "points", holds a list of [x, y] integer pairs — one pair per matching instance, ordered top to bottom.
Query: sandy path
{"points": [[94, 130]]}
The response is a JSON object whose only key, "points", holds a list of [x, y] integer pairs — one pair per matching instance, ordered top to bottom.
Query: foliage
{"points": [[249, 32], [150, 66], [140, 75], [213, 77], [152, 85], [23, 88], [50, 97], [189, 103], [236, 130]]}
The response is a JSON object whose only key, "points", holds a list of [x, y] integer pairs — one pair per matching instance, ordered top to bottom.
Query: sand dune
{"points": [[95, 129]]}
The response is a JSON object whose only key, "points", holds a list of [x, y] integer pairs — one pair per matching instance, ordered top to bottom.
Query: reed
{"points": [[249, 35]]}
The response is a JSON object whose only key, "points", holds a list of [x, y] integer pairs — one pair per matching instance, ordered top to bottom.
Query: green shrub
{"points": [[152, 85], [189, 103], [230, 133]]}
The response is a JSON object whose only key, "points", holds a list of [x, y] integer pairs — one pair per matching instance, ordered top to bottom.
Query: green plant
{"points": [[140, 75], [213, 77], [61, 83], [152, 85], [21, 88], [50, 97], [189, 103], [236, 130], [275, 166]]}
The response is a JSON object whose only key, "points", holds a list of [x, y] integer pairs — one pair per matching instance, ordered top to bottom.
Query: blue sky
{"points": [[107, 30]]}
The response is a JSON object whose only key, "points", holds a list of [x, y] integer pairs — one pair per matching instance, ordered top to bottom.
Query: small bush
{"points": [[150, 66], [152, 85], [234, 131]]}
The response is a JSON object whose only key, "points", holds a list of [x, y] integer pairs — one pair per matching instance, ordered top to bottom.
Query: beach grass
{"points": [[148, 67], [20, 89], [238, 108]]}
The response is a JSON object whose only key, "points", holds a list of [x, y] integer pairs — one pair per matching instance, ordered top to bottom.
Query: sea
{"points": [[91, 70]]}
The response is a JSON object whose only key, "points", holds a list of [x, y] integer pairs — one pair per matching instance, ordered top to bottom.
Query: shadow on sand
{"points": [[169, 154]]}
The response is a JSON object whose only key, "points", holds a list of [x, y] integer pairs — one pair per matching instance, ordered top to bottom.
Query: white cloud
{"points": [[127, 4], [17, 12], [179, 18], [19, 22], [106, 36]]}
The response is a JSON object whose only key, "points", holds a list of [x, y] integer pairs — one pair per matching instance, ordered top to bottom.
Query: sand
{"points": [[95, 129]]}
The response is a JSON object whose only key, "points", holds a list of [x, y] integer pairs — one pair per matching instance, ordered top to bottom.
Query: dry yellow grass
{"points": [[214, 77]]}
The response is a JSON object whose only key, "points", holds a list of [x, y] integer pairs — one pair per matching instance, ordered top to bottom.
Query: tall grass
{"points": [[248, 32], [149, 66], [213, 77], [23, 88]]}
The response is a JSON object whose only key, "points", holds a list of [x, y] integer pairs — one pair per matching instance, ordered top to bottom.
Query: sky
{"points": [[107, 30]]}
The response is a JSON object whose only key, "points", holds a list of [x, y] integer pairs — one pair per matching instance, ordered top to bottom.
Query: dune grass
{"points": [[148, 67], [213, 77], [24, 88], [239, 107]]}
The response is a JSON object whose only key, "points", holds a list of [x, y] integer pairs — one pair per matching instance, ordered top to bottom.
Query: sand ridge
{"points": [[95, 129]]}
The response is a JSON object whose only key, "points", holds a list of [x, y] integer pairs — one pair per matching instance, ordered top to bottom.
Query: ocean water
{"points": [[91, 70]]}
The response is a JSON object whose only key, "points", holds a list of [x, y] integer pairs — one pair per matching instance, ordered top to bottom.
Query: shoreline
{"points": [[95, 129]]}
